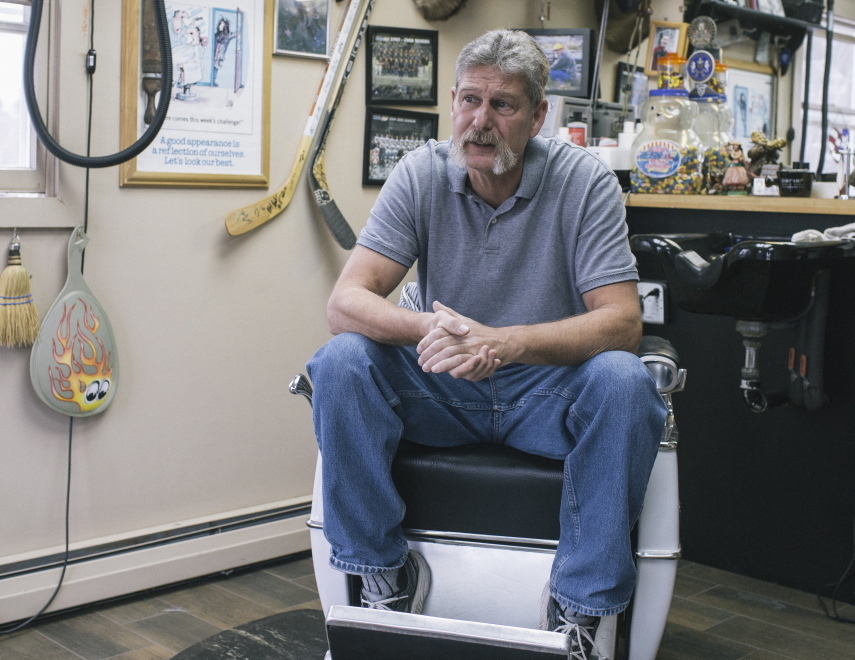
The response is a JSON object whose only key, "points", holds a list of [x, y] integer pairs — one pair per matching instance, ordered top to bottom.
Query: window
{"points": [[841, 96], [22, 159]]}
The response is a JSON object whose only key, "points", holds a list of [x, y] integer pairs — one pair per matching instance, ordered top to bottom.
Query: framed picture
{"points": [[302, 28], [665, 37], [569, 54], [401, 66], [631, 81], [752, 97], [217, 130], [389, 134]]}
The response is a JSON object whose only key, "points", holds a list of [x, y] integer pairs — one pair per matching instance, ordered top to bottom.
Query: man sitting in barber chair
{"points": [[528, 320]]}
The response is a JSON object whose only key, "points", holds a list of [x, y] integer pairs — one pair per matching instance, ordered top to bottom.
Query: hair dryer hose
{"points": [[145, 139]]}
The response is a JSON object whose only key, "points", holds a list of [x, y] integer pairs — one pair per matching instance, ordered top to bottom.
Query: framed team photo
{"points": [[400, 66], [389, 134]]}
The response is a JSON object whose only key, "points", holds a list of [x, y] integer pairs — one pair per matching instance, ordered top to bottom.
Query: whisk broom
{"points": [[19, 320]]}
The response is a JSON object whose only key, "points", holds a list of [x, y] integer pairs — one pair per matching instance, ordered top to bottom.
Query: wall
{"points": [[209, 328]]}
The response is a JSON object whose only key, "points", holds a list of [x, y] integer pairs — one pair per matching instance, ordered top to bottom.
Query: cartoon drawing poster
{"points": [[215, 124]]}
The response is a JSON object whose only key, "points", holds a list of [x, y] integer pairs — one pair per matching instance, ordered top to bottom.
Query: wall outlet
{"points": [[652, 295]]}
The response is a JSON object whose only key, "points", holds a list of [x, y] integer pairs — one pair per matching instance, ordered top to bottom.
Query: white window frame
{"points": [[844, 30], [37, 180], [58, 205]]}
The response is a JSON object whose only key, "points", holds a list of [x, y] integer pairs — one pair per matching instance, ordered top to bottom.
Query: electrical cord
{"points": [[829, 40], [90, 84], [35, 114], [833, 615], [7, 631]]}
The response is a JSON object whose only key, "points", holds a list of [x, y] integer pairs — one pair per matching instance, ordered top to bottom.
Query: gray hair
{"points": [[514, 53]]}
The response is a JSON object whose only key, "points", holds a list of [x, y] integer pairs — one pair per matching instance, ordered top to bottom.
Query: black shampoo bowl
{"points": [[745, 277]]}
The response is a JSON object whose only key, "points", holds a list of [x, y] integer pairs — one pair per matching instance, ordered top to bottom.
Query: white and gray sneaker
{"points": [[412, 583], [580, 628]]}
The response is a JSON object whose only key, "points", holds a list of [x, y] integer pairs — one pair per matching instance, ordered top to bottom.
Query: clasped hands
{"points": [[460, 346]]}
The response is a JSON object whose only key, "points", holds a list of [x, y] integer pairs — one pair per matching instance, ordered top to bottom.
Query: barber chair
{"points": [[485, 518]]}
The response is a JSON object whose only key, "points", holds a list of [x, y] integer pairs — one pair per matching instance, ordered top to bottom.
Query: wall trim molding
{"points": [[100, 573]]}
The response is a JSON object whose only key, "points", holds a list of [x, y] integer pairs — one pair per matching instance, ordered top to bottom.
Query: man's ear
{"points": [[539, 117]]}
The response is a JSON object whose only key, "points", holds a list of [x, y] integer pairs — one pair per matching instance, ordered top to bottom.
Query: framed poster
{"points": [[302, 28], [665, 37], [569, 54], [400, 66], [631, 82], [752, 96], [217, 130], [389, 134]]}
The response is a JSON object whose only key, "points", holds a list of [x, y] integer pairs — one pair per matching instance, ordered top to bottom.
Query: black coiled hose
{"points": [[35, 114]]}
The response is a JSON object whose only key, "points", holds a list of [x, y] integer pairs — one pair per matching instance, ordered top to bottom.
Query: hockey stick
{"points": [[249, 217], [336, 222]]}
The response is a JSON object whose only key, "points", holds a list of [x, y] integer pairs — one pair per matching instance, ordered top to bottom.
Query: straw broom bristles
{"points": [[19, 320]]}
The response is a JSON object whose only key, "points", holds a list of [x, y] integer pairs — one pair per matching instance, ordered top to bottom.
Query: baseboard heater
{"points": [[127, 565]]}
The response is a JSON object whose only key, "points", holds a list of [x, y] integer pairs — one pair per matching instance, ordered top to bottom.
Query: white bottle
{"points": [[622, 158]]}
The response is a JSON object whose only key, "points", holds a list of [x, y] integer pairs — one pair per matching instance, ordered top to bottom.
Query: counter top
{"points": [[808, 205]]}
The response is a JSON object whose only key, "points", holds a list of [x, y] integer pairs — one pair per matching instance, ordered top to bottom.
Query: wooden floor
{"points": [[715, 615]]}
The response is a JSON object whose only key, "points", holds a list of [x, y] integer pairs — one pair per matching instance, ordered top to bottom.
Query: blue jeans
{"points": [[603, 418]]}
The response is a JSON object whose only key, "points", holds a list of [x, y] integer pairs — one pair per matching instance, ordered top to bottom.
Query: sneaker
{"points": [[411, 597], [580, 628]]}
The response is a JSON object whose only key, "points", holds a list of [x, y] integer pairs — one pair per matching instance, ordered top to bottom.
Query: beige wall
{"points": [[209, 328]]}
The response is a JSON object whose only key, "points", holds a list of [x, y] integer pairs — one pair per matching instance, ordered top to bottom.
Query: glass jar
{"points": [[670, 68], [718, 83], [725, 115], [708, 127], [666, 155]]}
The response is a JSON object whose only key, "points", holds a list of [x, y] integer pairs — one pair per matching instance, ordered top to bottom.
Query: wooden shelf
{"points": [[807, 205]]}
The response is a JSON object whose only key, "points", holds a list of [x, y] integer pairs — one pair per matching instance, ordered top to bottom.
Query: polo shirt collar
{"points": [[534, 162]]}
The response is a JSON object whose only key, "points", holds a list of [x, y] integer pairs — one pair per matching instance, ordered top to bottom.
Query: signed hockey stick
{"points": [[249, 217], [336, 222]]}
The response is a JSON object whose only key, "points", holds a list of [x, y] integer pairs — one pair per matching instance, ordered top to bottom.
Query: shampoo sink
{"points": [[746, 277]]}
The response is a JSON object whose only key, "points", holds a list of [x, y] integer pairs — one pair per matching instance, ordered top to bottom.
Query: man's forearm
{"points": [[355, 309], [574, 340], [566, 342]]}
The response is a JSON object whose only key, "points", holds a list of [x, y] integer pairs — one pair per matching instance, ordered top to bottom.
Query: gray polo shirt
{"points": [[530, 260]]}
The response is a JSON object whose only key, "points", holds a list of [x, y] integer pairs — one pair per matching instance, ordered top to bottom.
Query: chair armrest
{"points": [[662, 360]]}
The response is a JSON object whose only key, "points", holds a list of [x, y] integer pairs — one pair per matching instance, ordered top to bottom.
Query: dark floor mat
{"points": [[295, 635]]}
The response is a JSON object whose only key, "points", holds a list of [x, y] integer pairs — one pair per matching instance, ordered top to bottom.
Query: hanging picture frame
{"points": [[302, 28], [665, 37], [570, 55], [401, 66], [631, 81], [752, 97], [216, 133], [389, 135]]}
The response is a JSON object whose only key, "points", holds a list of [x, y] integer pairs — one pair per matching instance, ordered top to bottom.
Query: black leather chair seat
{"points": [[479, 489], [488, 489]]}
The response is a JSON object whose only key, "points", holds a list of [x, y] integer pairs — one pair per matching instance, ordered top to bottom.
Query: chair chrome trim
{"points": [[461, 538], [659, 555]]}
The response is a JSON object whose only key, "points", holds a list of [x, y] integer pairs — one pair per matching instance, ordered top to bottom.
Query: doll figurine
{"points": [[736, 180]]}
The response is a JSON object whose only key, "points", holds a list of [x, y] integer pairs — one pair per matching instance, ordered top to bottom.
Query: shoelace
{"points": [[382, 604], [576, 633]]}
